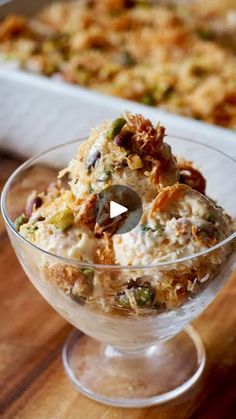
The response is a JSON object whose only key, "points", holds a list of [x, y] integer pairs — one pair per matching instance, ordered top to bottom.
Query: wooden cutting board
{"points": [[33, 384]]}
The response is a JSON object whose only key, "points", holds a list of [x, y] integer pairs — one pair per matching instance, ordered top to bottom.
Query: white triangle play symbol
{"points": [[116, 209]]}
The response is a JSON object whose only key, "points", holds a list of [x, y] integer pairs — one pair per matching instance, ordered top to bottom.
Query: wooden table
{"points": [[33, 384]]}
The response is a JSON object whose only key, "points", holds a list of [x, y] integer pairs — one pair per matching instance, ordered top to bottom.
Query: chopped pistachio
{"points": [[205, 33], [127, 59], [167, 92], [148, 99], [116, 127], [134, 162], [105, 175], [90, 188], [211, 217], [22, 219], [63, 219], [146, 227], [31, 228], [156, 228], [202, 234], [217, 235], [87, 271], [81, 289], [144, 296], [122, 300]]}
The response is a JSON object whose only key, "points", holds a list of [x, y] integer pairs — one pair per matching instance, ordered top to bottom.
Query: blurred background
{"points": [[66, 66], [63, 70]]}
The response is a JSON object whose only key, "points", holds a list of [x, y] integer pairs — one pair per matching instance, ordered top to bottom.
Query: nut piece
{"points": [[127, 59], [116, 127], [123, 139], [134, 162], [34, 203], [22, 219], [63, 219], [87, 272], [83, 286], [144, 296], [122, 300]]}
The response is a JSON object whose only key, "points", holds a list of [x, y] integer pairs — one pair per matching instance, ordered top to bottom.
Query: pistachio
{"points": [[127, 59], [148, 99], [116, 127], [134, 162], [105, 175], [90, 188], [211, 218], [22, 219], [63, 219], [145, 227], [31, 228], [156, 228], [89, 272], [81, 289], [144, 296], [122, 300]]}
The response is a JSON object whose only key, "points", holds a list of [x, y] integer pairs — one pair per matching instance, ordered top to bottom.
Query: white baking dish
{"points": [[37, 112]]}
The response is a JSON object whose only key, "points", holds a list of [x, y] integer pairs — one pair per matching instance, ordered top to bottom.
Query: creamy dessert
{"points": [[177, 58], [129, 151], [178, 221]]}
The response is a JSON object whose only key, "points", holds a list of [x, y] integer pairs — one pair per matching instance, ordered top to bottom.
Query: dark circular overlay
{"points": [[122, 195]]}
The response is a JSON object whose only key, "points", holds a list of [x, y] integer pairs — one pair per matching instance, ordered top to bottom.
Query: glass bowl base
{"points": [[152, 376]]}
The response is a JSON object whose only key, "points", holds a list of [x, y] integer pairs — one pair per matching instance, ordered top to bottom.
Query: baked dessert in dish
{"points": [[158, 55], [178, 221]]}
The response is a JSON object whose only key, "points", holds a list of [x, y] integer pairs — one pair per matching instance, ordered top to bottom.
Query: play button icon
{"points": [[117, 211]]}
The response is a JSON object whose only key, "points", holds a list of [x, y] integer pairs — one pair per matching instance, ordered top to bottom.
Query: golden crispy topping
{"points": [[146, 139], [168, 196], [86, 212], [105, 253], [61, 275]]}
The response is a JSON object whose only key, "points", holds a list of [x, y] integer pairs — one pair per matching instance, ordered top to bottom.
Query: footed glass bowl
{"points": [[112, 356]]}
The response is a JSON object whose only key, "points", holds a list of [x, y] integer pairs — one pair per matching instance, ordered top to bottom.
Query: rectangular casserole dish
{"points": [[37, 112]]}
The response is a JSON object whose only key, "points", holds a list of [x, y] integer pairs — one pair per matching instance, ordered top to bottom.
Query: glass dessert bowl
{"points": [[127, 350]]}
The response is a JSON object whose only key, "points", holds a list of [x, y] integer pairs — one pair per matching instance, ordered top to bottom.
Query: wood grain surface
{"points": [[33, 384]]}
